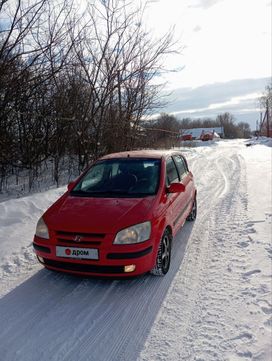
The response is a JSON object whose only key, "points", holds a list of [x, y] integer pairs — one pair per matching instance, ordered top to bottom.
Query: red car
{"points": [[119, 217]]}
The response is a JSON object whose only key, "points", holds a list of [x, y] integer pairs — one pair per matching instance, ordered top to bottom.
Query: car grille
{"points": [[92, 239], [86, 268]]}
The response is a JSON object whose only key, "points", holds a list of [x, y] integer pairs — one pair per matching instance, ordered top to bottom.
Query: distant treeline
{"points": [[164, 130]]}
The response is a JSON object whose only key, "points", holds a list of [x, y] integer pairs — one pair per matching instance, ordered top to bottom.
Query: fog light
{"points": [[40, 259], [130, 268]]}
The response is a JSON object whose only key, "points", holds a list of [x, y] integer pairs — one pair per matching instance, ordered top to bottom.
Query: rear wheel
{"points": [[192, 215], [164, 255]]}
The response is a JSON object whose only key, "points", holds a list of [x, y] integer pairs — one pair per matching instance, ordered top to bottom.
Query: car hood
{"points": [[98, 215]]}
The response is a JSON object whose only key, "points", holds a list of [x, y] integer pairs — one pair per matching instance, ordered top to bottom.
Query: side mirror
{"points": [[70, 185], [176, 188]]}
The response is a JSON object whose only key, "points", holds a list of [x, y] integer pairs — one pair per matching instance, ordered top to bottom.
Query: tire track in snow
{"points": [[196, 261], [205, 310], [58, 317], [207, 340]]}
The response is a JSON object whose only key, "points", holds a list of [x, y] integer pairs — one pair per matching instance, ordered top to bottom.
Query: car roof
{"points": [[144, 153]]}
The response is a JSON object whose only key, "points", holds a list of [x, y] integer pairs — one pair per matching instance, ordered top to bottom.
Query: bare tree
{"points": [[34, 50], [119, 61], [74, 83], [266, 98], [244, 129]]}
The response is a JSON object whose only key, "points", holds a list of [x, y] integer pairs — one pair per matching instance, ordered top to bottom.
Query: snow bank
{"points": [[260, 140], [18, 218]]}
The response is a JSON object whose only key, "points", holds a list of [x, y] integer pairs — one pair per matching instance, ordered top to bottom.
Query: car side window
{"points": [[181, 165], [171, 172]]}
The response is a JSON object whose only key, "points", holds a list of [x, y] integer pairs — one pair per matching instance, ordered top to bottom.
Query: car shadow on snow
{"points": [[53, 316]]}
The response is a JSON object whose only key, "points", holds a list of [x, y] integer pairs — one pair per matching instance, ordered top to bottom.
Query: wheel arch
{"points": [[163, 226], [168, 228], [159, 269]]}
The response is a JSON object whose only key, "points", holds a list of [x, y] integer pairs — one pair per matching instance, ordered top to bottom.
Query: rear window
{"points": [[126, 177]]}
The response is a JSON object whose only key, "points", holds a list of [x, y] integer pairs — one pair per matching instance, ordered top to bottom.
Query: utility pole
{"points": [[267, 119]]}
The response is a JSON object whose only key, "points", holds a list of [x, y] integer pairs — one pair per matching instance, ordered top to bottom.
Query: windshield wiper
{"points": [[77, 191], [97, 192], [109, 193]]}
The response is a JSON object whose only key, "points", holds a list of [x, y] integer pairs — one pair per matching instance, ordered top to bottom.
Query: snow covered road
{"points": [[214, 304]]}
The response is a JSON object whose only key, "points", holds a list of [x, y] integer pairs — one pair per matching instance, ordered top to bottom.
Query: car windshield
{"points": [[126, 177]]}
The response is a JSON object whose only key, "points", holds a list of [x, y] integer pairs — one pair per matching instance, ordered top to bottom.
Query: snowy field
{"points": [[214, 304]]}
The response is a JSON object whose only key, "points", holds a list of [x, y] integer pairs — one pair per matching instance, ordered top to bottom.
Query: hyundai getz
{"points": [[119, 217]]}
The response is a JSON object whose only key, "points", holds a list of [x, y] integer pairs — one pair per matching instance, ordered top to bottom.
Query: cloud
{"points": [[204, 4], [197, 28], [239, 97]]}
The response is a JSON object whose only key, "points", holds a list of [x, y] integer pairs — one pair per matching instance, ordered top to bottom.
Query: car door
{"points": [[186, 179], [176, 200]]}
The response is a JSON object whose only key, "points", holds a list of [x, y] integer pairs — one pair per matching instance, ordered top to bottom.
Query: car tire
{"points": [[192, 215], [164, 255]]}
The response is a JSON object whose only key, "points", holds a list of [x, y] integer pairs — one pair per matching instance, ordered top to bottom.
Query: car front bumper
{"points": [[114, 261]]}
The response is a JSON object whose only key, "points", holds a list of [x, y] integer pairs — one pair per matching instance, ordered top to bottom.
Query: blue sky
{"points": [[225, 55]]}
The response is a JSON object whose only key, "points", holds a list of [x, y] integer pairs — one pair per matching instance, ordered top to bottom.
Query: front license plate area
{"points": [[78, 253]]}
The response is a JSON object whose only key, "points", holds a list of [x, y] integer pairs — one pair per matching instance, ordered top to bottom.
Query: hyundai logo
{"points": [[77, 239]]}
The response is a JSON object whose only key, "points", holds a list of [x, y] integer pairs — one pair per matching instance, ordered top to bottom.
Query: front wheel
{"points": [[192, 215], [164, 255]]}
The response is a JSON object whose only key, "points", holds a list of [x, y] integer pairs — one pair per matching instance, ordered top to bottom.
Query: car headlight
{"points": [[41, 229], [134, 234]]}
